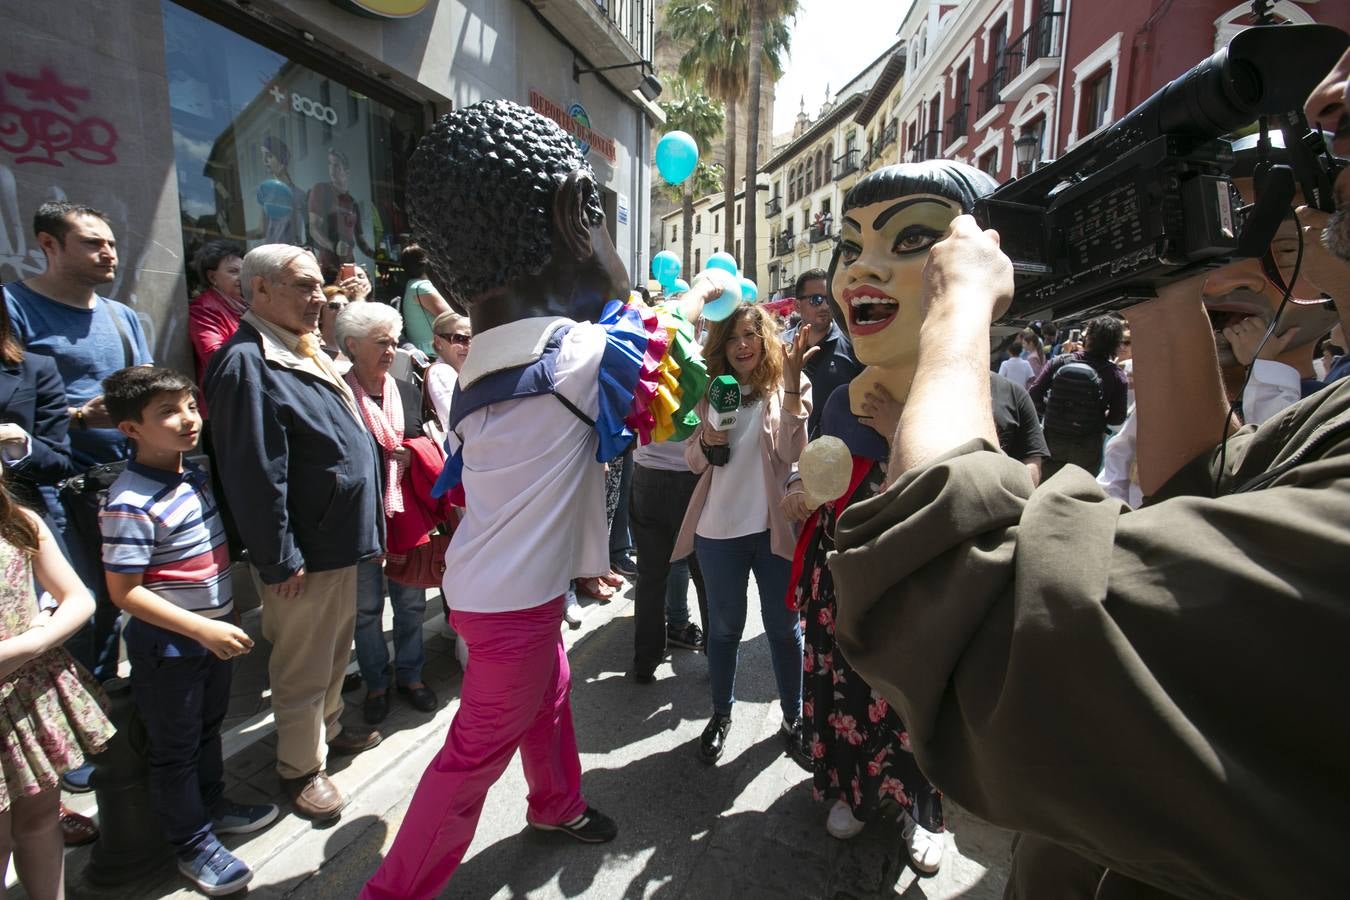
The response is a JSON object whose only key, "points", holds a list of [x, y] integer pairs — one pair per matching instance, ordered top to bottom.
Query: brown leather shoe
{"points": [[350, 741], [315, 797]]}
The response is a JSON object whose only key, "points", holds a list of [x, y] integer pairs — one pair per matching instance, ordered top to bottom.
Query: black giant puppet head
{"points": [[508, 210]]}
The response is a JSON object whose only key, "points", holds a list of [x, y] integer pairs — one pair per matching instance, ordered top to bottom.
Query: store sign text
{"points": [[307, 106], [573, 124]]}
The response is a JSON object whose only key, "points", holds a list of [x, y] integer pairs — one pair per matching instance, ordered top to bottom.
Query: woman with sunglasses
{"points": [[451, 335], [834, 363]]}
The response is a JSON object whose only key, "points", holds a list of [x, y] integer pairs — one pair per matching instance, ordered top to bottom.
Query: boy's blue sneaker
{"points": [[77, 780], [229, 817], [216, 871]]}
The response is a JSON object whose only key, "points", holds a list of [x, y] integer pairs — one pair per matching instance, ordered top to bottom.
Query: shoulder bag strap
{"points": [[122, 333]]}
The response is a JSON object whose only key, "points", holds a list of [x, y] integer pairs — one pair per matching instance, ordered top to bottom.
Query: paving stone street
{"points": [[746, 828]]}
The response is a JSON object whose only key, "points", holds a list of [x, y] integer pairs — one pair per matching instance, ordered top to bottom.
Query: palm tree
{"points": [[720, 35], [769, 37], [717, 58], [691, 110]]}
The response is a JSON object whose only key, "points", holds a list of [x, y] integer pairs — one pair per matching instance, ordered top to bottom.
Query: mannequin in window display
{"points": [[282, 203], [335, 227], [566, 370], [860, 748]]}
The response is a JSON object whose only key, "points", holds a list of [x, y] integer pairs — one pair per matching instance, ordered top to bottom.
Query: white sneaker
{"points": [[571, 609], [841, 823], [925, 850]]}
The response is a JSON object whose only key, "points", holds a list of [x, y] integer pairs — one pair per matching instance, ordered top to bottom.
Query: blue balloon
{"points": [[676, 157], [276, 197], [724, 261], [666, 268], [678, 287], [749, 293], [724, 304]]}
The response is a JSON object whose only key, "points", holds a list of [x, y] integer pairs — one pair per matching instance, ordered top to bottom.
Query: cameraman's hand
{"points": [[1325, 271], [967, 276], [1245, 337]]}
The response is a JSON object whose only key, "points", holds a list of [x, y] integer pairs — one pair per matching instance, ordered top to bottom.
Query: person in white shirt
{"points": [[1015, 368]]}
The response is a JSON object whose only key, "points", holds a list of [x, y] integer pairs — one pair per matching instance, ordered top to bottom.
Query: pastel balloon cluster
{"points": [[735, 289]]}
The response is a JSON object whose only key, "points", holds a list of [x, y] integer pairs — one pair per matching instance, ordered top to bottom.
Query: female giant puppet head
{"points": [[890, 220]]}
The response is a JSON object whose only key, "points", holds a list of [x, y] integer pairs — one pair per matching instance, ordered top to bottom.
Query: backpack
{"points": [[1076, 404]]}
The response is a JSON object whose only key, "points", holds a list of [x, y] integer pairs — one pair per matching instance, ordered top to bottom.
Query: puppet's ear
{"points": [[571, 230]]}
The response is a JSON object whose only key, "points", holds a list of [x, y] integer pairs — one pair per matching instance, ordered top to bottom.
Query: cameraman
{"points": [[1168, 715]]}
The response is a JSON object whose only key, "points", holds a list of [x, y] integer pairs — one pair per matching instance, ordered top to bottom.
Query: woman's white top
{"points": [[738, 499]]}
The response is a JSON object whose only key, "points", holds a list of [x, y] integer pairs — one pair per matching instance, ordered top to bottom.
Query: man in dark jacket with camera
{"points": [[1079, 394], [300, 470]]}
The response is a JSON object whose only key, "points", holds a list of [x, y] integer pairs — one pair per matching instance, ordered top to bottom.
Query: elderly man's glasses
{"points": [[815, 299], [462, 340]]}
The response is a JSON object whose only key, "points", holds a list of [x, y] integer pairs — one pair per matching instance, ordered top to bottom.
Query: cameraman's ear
{"points": [[571, 231]]}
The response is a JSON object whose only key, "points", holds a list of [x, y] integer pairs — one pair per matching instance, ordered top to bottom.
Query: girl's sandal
{"points": [[595, 588]]}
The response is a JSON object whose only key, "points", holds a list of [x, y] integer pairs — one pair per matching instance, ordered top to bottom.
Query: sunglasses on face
{"points": [[815, 299], [460, 339]]}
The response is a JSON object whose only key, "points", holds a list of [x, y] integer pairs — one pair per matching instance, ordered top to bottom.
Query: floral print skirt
{"points": [[51, 715], [859, 746]]}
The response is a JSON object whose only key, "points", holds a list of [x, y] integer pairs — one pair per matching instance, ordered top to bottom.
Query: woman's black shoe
{"points": [[423, 699], [376, 708], [714, 738]]}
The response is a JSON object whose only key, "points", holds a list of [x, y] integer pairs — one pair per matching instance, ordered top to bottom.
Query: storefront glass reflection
{"points": [[268, 150]]}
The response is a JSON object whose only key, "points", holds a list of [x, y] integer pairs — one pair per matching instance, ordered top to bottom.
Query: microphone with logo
{"points": [[724, 405]]}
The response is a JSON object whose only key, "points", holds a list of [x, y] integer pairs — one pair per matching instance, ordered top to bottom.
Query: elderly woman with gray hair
{"points": [[367, 334]]}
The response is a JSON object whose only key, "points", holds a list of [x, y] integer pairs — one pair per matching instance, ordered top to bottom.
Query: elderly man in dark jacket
{"points": [[300, 470]]}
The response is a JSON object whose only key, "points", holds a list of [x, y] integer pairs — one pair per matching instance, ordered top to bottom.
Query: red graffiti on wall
{"points": [[49, 124]]}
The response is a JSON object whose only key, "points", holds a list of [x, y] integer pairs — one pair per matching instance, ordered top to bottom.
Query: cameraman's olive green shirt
{"points": [[1164, 691]]}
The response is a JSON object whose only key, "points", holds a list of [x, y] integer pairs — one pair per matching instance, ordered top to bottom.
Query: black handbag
{"points": [[84, 495]]}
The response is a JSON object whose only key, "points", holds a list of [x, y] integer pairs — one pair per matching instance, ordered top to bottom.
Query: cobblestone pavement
{"points": [[746, 828]]}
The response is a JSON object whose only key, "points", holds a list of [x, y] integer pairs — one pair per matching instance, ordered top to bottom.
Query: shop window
{"points": [[1096, 102], [270, 151]]}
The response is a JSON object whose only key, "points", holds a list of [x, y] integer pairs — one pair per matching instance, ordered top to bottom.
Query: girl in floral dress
{"points": [[51, 710], [862, 758]]}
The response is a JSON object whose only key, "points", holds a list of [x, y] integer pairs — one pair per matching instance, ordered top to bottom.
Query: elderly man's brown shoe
{"points": [[315, 797]]}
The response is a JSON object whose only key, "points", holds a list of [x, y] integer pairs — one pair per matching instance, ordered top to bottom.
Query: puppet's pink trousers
{"points": [[514, 694]]}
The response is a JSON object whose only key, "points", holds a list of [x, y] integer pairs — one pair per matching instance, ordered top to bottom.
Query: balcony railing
{"points": [[635, 19], [1039, 41], [989, 91], [956, 125], [889, 133], [927, 146], [870, 156], [847, 164], [773, 207], [820, 232], [785, 244]]}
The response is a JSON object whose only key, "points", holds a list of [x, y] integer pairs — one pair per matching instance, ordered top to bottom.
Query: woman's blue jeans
{"points": [[726, 566], [410, 604]]}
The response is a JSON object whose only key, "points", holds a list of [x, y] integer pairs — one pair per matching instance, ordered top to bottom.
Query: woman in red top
{"points": [[214, 314]]}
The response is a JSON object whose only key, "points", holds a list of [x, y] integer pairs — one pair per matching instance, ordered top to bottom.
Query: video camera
{"points": [[1151, 199]]}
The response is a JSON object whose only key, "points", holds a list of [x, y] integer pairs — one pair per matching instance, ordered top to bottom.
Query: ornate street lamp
{"points": [[1027, 147]]}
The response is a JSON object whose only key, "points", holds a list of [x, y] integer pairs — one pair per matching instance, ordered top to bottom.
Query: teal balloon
{"points": [[676, 157], [276, 197], [724, 261], [666, 268], [678, 287], [749, 293], [723, 305]]}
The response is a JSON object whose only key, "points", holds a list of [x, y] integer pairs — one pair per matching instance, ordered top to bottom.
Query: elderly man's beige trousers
{"points": [[311, 637]]}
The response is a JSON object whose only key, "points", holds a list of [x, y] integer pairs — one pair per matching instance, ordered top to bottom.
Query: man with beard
{"points": [[1218, 605]]}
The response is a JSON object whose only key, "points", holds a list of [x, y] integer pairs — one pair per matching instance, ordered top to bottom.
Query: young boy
{"points": [[168, 566]]}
